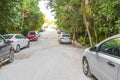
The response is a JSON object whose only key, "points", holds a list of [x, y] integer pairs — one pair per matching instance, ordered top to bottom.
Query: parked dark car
{"points": [[41, 30], [6, 51]]}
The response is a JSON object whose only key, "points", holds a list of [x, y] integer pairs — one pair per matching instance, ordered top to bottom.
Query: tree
{"points": [[83, 7], [68, 15], [20, 16], [9, 20], [88, 21]]}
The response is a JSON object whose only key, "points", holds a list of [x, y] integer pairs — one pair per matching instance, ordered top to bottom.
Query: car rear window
{"points": [[65, 35], [8, 36]]}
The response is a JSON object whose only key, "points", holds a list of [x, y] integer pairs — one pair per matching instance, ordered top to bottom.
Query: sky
{"points": [[47, 12]]}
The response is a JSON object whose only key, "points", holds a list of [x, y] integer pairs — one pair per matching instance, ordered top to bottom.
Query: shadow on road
{"points": [[4, 64], [93, 78]]}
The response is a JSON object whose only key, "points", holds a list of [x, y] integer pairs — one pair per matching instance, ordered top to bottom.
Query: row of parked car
{"points": [[10, 43]]}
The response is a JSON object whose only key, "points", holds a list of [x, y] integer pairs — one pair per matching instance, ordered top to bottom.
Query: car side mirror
{"points": [[93, 48]]}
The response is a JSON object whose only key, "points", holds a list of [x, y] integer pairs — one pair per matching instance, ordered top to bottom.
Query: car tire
{"points": [[36, 39], [60, 42], [28, 45], [17, 48], [11, 57], [86, 68]]}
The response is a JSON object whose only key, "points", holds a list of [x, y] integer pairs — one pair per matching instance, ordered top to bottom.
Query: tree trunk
{"points": [[86, 24], [14, 28], [87, 28], [95, 32], [74, 36]]}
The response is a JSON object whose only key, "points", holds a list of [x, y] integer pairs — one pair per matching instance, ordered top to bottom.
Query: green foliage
{"points": [[67, 14], [8, 16], [20, 16], [106, 17], [32, 18], [103, 18], [82, 40]]}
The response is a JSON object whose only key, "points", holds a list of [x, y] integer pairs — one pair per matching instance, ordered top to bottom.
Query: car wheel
{"points": [[36, 39], [60, 42], [28, 45], [17, 48], [11, 56], [86, 68]]}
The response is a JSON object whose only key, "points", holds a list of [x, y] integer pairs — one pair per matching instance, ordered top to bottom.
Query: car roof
{"points": [[33, 31], [12, 34], [114, 36]]}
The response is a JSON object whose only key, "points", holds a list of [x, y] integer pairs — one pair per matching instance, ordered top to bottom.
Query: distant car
{"points": [[54, 27], [41, 30], [59, 31], [33, 35], [64, 38], [17, 41], [6, 51], [103, 60]]}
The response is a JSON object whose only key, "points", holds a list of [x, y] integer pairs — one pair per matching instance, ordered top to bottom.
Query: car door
{"points": [[19, 40], [23, 40], [4, 49], [107, 60], [119, 74]]}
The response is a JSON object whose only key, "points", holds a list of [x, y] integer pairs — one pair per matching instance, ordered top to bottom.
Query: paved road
{"points": [[46, 59]]}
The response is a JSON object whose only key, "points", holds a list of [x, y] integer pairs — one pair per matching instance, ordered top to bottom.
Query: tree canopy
{"points": [[20, 16], [89, 21]]}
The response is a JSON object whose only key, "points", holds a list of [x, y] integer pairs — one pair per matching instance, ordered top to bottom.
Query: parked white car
{"points": [[64, 38], [17, 41], [103, 60]]}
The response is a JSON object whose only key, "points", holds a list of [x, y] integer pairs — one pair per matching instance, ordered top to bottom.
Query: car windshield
{"points": [[32, 33], [8, 36]]}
